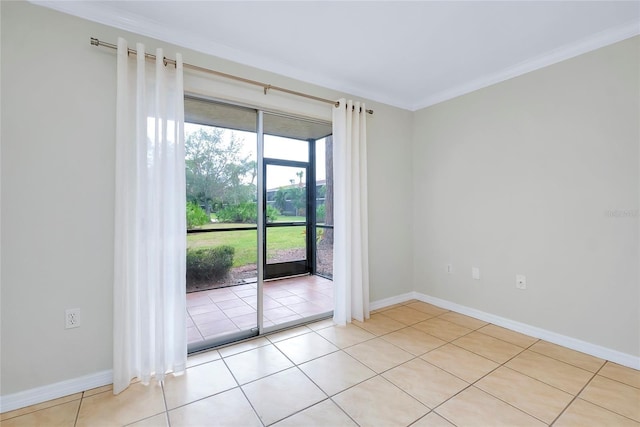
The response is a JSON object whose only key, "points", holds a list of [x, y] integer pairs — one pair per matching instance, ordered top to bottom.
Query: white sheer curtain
{"points": [[150, 231], [350, 245]]}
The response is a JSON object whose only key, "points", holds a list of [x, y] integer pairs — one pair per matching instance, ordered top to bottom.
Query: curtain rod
{"points": [[265, 86]]}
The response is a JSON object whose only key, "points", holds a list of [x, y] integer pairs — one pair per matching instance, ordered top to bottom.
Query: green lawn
{"points": [[283, 218], [245, 241]]}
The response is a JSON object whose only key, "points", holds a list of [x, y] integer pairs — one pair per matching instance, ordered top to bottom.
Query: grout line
{"points": [[564, 361], [615, 380], [242, 390], [576, 395], [164, 400], [75, 421]]}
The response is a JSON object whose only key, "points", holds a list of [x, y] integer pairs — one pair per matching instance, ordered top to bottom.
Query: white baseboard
{"points": [[392, 300], [533, 331], [37, 395]]}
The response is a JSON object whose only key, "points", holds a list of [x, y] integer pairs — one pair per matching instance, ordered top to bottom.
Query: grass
{"points": [[245, 241]]}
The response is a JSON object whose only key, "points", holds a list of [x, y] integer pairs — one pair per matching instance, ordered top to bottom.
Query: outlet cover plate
{"points": [[475, 273], [521, 281], [71, 318]]}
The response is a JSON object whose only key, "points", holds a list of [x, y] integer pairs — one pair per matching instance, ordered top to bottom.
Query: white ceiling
{"points": [[406, 54]]}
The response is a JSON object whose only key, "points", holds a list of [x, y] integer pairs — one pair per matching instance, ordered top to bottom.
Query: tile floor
{"points": [[215, 313], [410, 364]]}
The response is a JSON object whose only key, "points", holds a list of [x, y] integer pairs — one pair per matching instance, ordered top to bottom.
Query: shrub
{"points": [[321, 212], [245, 213], [272, 214], [196, 216], [209, 264]]}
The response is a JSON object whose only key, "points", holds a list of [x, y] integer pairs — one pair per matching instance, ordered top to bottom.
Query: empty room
{"points": [[319, 213]]}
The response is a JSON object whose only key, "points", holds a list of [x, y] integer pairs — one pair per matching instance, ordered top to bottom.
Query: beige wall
{"points": [[58, 121], [519, 178]]}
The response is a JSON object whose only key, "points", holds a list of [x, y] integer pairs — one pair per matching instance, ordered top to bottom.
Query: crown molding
{"points": [[103, 13], [554, 56]]}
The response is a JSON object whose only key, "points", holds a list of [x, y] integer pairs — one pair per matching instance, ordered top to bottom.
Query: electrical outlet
{"points": [[449, 268], [475, 273], [521, 281], [71, 318]]}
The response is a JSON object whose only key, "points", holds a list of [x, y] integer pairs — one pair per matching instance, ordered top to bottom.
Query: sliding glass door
{"points": [[221, 170], [253, 199]]}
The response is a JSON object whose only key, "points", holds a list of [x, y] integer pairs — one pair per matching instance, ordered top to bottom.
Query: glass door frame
{"points": [[294, 267]]}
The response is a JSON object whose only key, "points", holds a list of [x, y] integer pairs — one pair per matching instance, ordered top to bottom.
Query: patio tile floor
{"points": [[217, 312]]}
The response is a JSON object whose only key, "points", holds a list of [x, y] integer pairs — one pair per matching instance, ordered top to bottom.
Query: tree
{"points": [[216, 172], [298, 196], [280, 199]]}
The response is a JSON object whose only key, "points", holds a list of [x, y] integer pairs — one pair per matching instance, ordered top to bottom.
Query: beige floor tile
{"points": [[427, 308], [407, 315], [462, 320], [379, 324], [316, 326], [442, 329], [288, 333], [507, 335], [345, 336], [413, 340], [243, 346], [305, 347], [489, 347], [379, 354], [203, 357], [575, 358], [460, 362], [257, 363], [550, 371], [336, 372], [621, 373], [198, 382], [425, 382], [97, 390], [280, 395], [531, 396], [614, 396], [377, 402], [135, 403], [43, 405], [473, 407], [230, 408], [325, 413], [63, 414], [584, 414], [159, 420], [432, 420]]}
